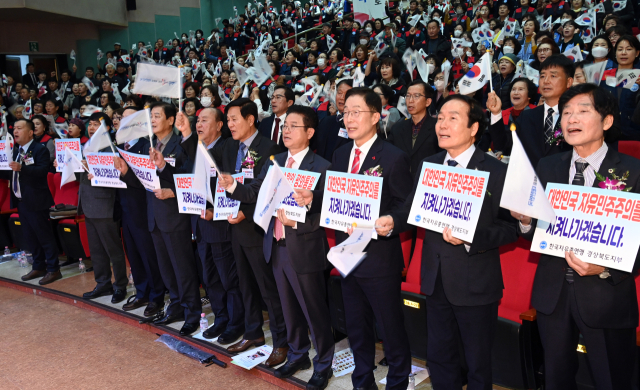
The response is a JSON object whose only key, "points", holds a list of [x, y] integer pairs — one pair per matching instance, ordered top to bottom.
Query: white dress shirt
{"points": [[556, 114], [364, 150], [297, 160], [463, 161], [16, 190]]}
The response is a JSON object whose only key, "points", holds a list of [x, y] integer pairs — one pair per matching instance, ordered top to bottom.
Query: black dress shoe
{"points": [[95, 293], [118, 296], [134, 303], [153, 308], [169, 319], [188, 329], [215, 331], [231, 336], [291, 368], [320, 380], [373, 386]]}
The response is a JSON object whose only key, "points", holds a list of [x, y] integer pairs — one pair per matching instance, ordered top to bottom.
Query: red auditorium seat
{"points": [[631, 148], [52, 186], [5, 213], [71, 231], [405, 241], [516, 355]]}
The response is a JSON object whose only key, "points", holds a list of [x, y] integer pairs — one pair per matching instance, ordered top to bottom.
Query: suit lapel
{"points": [[538, 128], [405, 135], [372, 158], [611, 160], [307, 161], [476, 161], [563, 172]]}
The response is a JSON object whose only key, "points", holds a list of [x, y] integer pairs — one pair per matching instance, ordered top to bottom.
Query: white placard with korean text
{"points": [[74, 145], [143, 168], [103, 171], [299, 180], [449, 197], [190, 200], [224, 206], [599, 226]]}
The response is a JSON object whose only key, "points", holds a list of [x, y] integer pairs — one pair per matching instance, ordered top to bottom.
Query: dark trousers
{"points": [[38, 238], [105, 245], [143, 261], [179, 274], [220, 278], [256, 279], [376, 299], [304, 304], [446, 325], [610, 352]]}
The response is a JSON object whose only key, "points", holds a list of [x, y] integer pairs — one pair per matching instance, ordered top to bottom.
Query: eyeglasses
{"points": [[544, 50], [415, 96], [277, 97], [354, 114], [116, 117], [287, 128]]}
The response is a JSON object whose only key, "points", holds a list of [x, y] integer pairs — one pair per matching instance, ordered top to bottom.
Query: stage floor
{"points": [[69, 290]]}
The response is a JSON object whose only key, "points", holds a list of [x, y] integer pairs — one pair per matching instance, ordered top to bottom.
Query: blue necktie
{"points": [[240, 156], [452, 163]]}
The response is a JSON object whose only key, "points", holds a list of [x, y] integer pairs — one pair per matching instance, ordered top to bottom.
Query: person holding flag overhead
{"points": [[247, 153], [31, 196], [574, 298]]}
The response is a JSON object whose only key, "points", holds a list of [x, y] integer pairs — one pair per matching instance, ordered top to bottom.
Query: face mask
{"points": [[459, 12], [563, 21], [368, 29], [457, 33], [199, 35], [184, 39], [364, 41], [507, 50], [599, 52], [469, 54], [176, 56], [321, 61], [432, 68], [295, 73], [439, 85], [205, 101]]}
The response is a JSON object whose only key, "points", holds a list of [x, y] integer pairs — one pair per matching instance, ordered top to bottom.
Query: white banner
{"points": [[373, 8], [157, 80], [134, 126], [74, 145], [6, 153], [143, 168], [103, 171], [300, 180], [275, 188], [449, 197], [350, 198], [190, 199], [223, 206], [599, 226], [349, 254]]}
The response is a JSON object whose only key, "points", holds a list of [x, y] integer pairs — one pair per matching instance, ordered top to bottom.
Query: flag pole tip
{"points": [[513, 127], [272, 157], [354, 225]]}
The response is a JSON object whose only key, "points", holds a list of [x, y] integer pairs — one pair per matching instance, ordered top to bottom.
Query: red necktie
{"points": [[276, 132], [355, 167], [278, 228]]}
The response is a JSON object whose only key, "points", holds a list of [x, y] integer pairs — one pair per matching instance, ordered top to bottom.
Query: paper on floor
{"points": [[252, 358], [420, 375]]}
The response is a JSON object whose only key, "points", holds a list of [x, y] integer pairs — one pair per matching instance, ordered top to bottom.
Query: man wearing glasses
{"points": [[271, 127], [416, 136], [298, 253], [372, 290]]}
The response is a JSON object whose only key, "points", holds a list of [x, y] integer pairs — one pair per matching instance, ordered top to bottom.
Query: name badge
{"points": [[343, 133], [28, 160], [171, 161], [248, 173]]}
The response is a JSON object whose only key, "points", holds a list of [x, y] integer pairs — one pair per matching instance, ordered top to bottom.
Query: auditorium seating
{"points": [[631, 148], [5, 213], [71, 231]]}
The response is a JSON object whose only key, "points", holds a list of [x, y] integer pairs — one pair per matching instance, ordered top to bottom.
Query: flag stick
{"points": [[490, 75]]}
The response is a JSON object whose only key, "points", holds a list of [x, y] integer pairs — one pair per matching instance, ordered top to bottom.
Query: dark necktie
{"points": [[548, 124], [276, 131], [127, 146], [159, 146], [240, 156], [452, 163], [16, 176], [578, 180]]}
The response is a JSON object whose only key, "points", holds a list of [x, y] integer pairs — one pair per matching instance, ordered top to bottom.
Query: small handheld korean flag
{"points": [[619, 5], [599, 8], [587, 19], [412, 21], [547, 24], [509, 28], [482, 34], [330, 42], [380, 48], [99, 54], [574, 54], [72, 55], [409, 60], [593, 72], [477, 76], [626, 78], [158, 80], [402, 107], [27, 112], [134, 126], [98, 141], [71, 164], [275, 188], [523, 193]]}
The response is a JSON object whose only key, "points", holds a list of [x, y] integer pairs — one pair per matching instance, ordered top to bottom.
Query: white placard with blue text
{"points": [[103, 171], [299, 180], [449, 197], [350, 198], [190, 200], [225, 207], [599, 226]]}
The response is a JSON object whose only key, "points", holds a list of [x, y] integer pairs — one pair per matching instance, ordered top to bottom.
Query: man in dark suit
{"points": [[30, 79], [271, 127], [536, 127], [331, 131], [416, 136], [248, 152], [31, 196], [98, 204], [170, 230], [136, 237], [213, 238], [298, 252], [464, 288], [372, 290], [571, 296]]}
